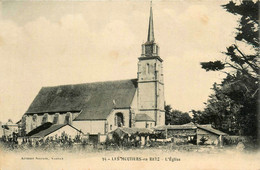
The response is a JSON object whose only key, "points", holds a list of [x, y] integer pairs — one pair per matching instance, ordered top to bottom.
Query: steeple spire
{"points": [[150, 37], [150, 48]]}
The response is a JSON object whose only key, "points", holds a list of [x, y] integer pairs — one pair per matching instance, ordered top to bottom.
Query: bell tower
{"points": [[150, 78]]}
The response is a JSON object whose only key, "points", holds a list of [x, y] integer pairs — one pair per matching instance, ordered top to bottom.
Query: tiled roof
{"points": [[94, 100], [143, 117], [185, 126], [189, 126], [39, 128], [210, 129], [50, 130], [133, 130]]}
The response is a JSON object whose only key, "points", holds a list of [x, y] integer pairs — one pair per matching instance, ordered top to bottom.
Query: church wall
{"points": [[146, 69], [160, 71], [151, 89], [146, 95], [160, 97], [134, 104], [134, 109], [150, 113], [50, 117], [62, 118], [160, 118], [111, 119], [39, 120], [28, 123], [32, 124], [144, 124], [90, 126]]}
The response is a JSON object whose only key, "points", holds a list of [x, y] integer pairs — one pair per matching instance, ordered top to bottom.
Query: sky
{"points": [[49, 43]]}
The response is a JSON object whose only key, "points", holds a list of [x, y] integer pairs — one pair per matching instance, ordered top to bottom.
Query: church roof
{"points": [[92, 100]]}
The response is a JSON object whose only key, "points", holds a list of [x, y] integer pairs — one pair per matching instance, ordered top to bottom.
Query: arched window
{"points": [[34, 118], [45, 118], [56, 118], [68, 118], [119, 120], [34, 121]]}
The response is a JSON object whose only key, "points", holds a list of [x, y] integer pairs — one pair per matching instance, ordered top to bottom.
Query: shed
{"points": [[57, 130], [185, 130], [131, 131], [139, 134], [211, 135]]}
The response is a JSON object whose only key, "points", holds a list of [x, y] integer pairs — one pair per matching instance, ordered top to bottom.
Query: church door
{"points": [[119, 120]]}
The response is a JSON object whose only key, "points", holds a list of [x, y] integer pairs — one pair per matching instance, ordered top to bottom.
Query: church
{"points": [[101, 107]]}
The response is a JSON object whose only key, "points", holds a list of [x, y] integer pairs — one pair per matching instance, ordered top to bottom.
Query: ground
{"points": [[183, 157]]}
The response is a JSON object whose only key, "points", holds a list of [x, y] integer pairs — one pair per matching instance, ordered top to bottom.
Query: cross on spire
{"points": [[150, 37]]}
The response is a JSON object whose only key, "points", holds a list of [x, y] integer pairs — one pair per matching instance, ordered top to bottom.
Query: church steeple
{"points": [[150, 37], [150, 48], [150, 79]]}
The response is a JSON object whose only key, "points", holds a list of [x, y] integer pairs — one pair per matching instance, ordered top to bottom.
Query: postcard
{"points": [[98, 84]]}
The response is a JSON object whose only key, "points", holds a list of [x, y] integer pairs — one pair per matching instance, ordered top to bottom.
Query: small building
{"points": [[143, 120], [8, 129], [57, 130], [121, 131], [179, 133], [192, 133], [133, 134], [211, 136]]}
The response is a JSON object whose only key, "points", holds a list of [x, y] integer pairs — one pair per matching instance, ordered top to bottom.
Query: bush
{"points": [[203, 140]]}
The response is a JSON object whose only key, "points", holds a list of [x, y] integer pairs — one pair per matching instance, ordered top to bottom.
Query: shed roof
{"points": [[94, 100], [143, 117], [187, 126], [176, 127], [39, 128], [209, 128], [50, 130], [130, 131]]}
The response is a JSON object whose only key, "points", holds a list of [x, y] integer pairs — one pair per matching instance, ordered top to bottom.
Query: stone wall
{"points": [[90, 126]]}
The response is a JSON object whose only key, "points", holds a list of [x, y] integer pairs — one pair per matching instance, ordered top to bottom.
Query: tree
{"points": [[248, 31], [233, 105], [168, 110], [220, 112], [176, 117]]}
